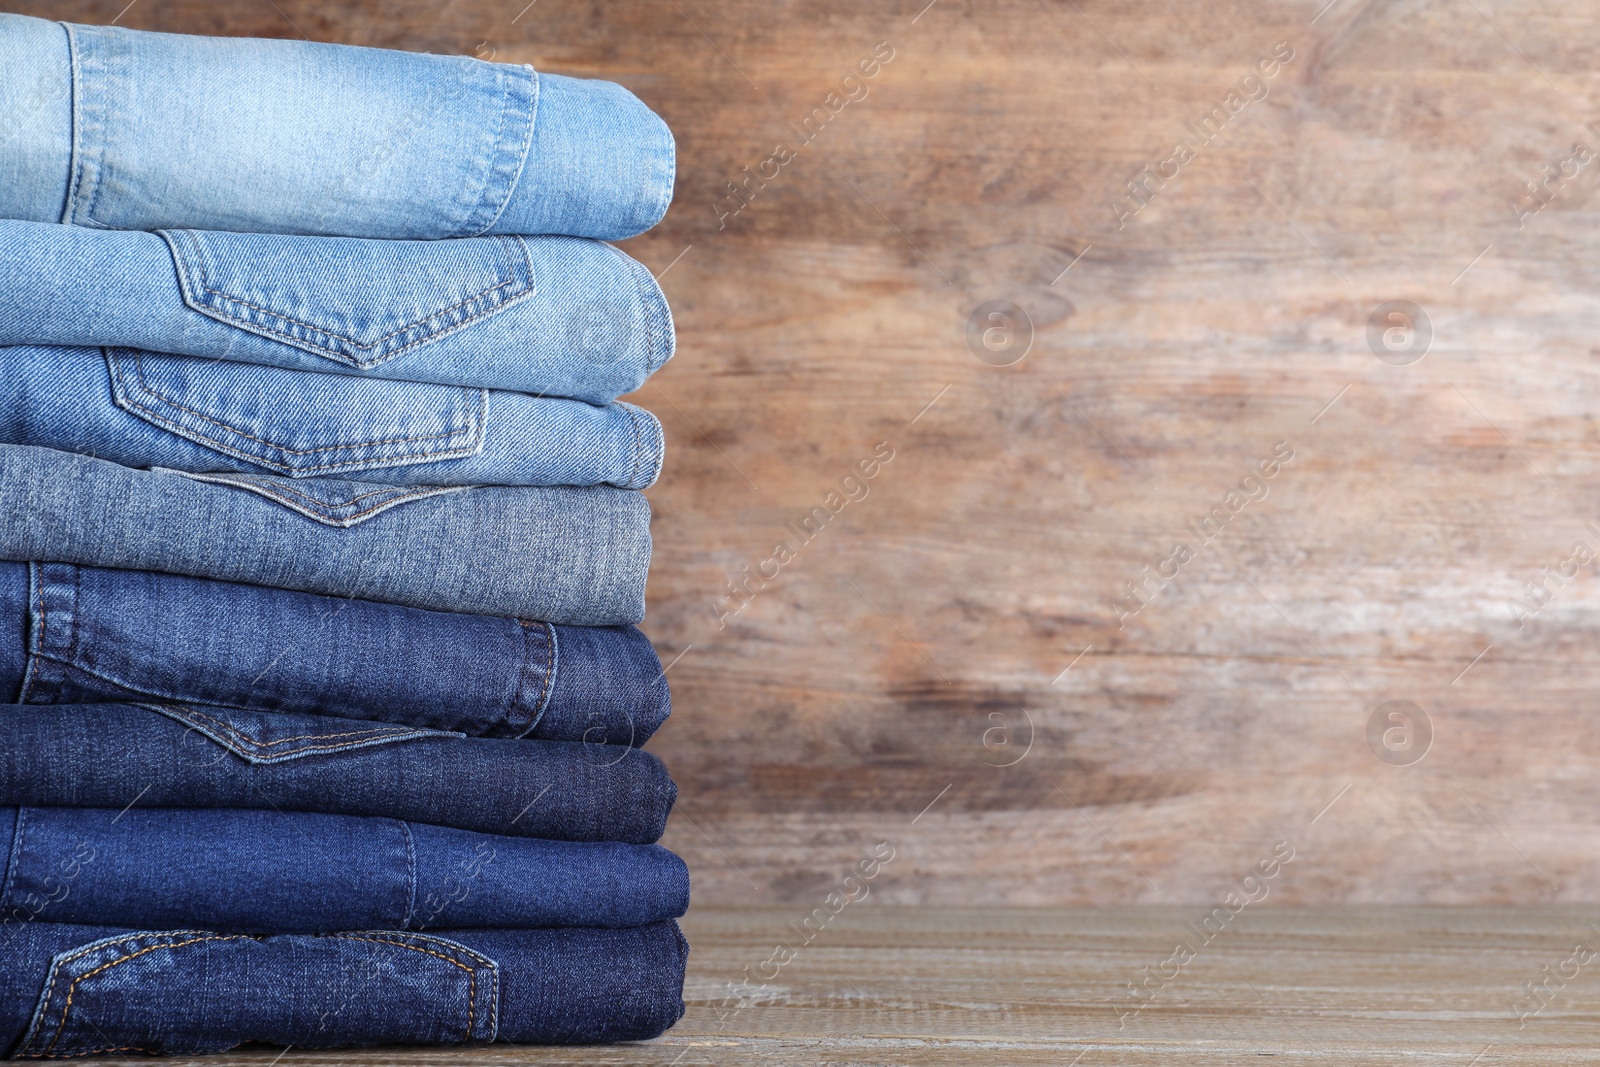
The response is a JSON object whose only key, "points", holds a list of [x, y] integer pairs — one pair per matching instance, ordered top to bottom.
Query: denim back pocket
{"points": [[357, 301], [298, 423], [330, 501], [274, 737], [192, 991]]}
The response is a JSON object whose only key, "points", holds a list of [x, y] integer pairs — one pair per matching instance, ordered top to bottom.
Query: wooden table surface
{"points": [[951, 987]]}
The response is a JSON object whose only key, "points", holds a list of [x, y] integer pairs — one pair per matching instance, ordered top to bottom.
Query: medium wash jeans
{"points": [[115, 128], [554, 316], [145, 409], [564, 555], [79, 635], [186, 756], [291, 872], [76, 990]]}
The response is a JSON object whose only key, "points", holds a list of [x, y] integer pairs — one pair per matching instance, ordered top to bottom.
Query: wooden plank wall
{"points": [[904, 677]]}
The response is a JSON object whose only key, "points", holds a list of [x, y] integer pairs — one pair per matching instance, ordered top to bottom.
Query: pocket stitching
{"points": [[370, 360], [156, 417], [312, 503], [315, 510], [36, 651], [547, 674], [361, 738], [246, 739], [12, 859], [411, 874], [472, 978], [72, 989], [60, 1027]]}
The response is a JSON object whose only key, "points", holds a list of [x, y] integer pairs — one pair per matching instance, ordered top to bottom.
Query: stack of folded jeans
{"points": [[324, 549]]}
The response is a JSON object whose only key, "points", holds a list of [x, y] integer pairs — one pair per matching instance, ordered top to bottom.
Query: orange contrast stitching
{"points": [[73, 988]]}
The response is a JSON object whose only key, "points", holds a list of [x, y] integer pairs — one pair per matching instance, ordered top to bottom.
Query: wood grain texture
{"points": [[920, 642], [946, 987]]}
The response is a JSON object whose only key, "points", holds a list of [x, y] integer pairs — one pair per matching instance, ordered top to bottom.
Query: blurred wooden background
{"points": [[905, 677]]}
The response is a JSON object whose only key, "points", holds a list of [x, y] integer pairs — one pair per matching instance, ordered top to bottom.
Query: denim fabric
{"points": [[35, 114], [120, 129], [555, 316], [145, 409], [574, 556], [79, 635], [187, 756], [309, 873], [74, 990]]}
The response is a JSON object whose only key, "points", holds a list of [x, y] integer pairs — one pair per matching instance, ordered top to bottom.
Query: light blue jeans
{"points": [[120, 129], [552, 316], [145, 409], [576, 556]]}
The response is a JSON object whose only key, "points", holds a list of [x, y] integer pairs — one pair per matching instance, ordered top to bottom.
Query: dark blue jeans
{"points": [[74, 635], [186, 756], [292, 872], [76, 990]]}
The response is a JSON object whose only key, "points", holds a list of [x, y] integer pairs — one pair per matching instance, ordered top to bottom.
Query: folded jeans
{"points": [[123, 129], [551, 316], [146, 409], [577, 556], [83, 635], [188, 756], [292, 872], [70, 990]]}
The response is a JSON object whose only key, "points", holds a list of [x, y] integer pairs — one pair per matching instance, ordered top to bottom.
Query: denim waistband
{"points": [[123, 129]]}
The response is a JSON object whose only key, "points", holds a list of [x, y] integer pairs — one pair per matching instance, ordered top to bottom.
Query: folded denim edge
{"points": [[522, 155], [647, 446], [547, 682]]}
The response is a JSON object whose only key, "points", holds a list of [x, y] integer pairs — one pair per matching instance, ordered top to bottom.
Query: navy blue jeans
{"points": [[77, 635], [187, 756], [292, 872], [75, 990]]}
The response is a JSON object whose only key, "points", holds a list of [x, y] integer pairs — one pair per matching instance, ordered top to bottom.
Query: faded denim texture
{"points": [[123, 129], [551, 316], [145, 409], [324, 546], [565, 555], [83, 635], [188, 756], [275, 872], [75, 990]]}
